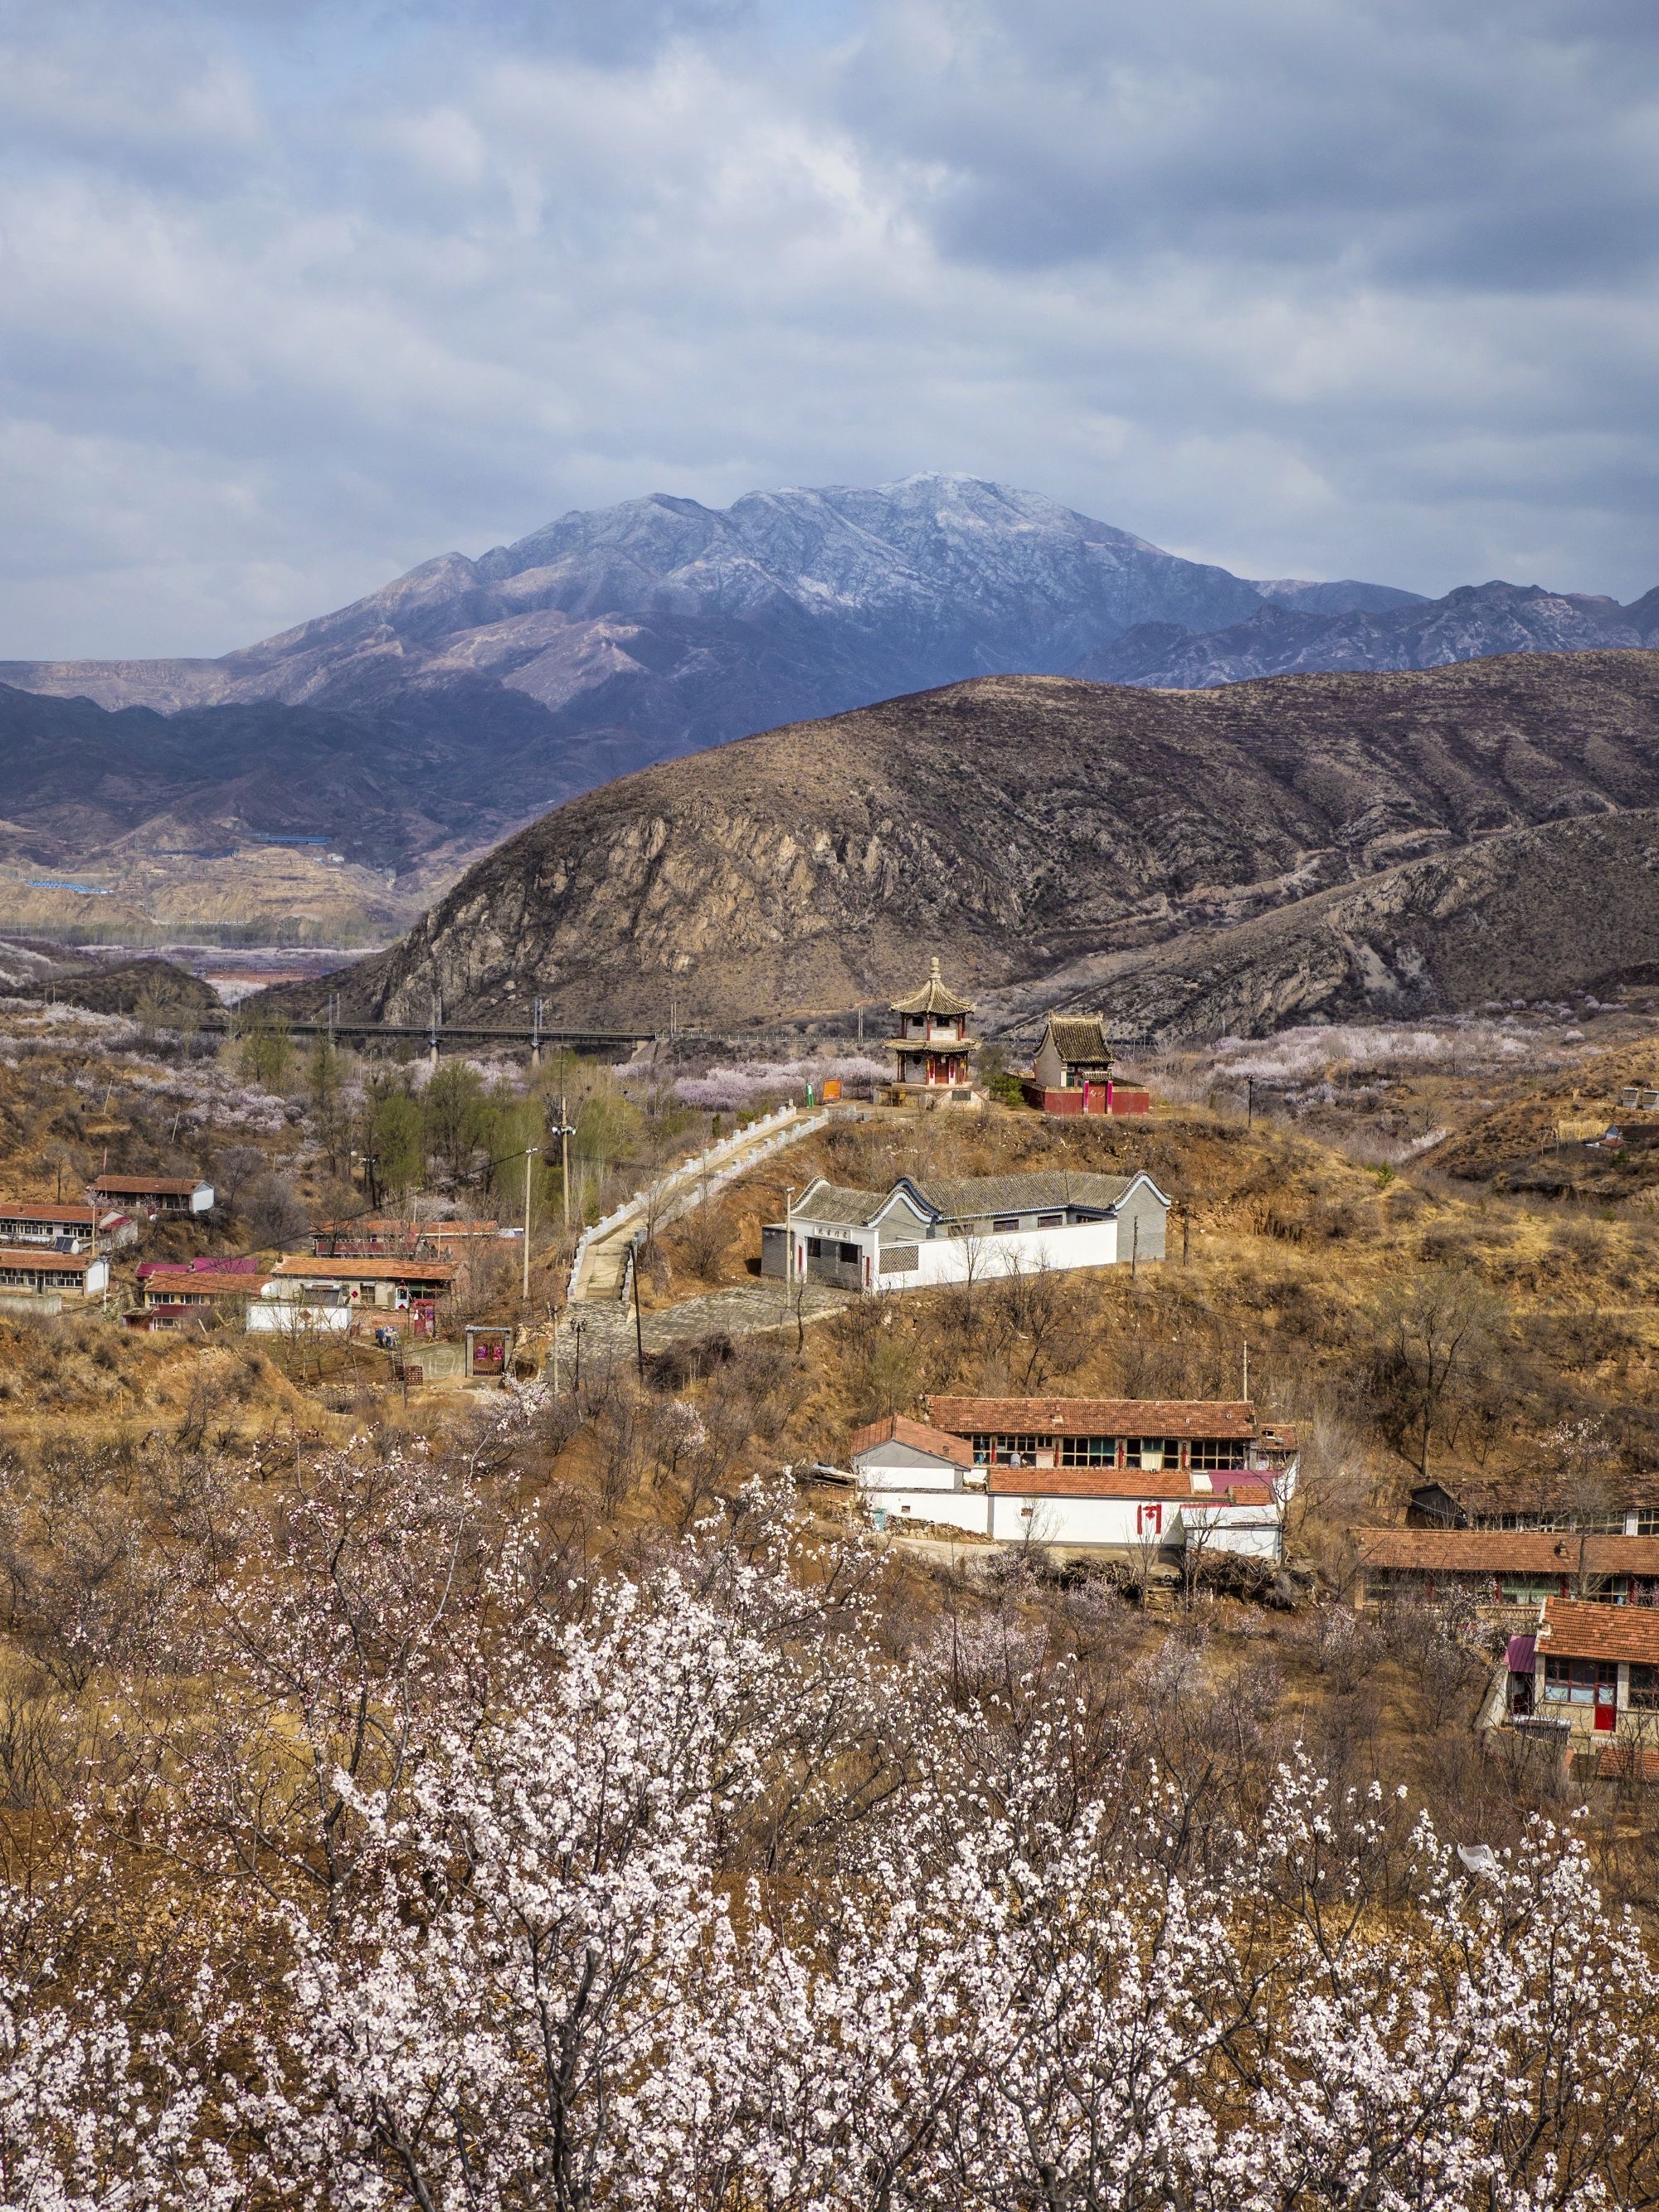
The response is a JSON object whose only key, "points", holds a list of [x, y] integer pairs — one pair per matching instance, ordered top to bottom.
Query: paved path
{"points": [[600, 1275], [744, 1309]]}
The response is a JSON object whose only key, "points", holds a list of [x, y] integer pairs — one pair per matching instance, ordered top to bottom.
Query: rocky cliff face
{"points": [[1300, 631], [1034, 832], [1526, 914]]}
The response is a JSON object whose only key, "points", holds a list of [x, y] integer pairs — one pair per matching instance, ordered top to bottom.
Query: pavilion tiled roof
{"points": [[934, 997], [1229, 1419], [899, 1428], [1574, 1630]]}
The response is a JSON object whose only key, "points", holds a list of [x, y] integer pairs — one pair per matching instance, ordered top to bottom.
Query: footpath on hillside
{"points": [[600, 1309]]}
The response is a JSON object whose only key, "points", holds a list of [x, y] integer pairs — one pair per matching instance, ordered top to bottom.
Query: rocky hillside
{"points": [[1300, 631], [1039, 834], [1528, 914]]}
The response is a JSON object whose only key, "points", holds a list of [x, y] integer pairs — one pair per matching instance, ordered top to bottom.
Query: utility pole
{"points": [[437, 1023], [1249, 1102], [531, 1152], [1134, 1249], [639, 1328], [1247, 1371]]}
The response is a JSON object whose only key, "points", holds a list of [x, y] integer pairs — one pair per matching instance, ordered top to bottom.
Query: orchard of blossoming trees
{"points": [[406, 1857]]}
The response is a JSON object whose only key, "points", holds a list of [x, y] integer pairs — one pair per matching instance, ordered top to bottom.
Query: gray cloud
{"points": [[296, 296]]}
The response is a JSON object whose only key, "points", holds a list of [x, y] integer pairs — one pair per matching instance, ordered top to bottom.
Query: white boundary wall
{"points": [[683, 1187]]}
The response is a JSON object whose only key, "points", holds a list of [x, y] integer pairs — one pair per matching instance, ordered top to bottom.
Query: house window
{"points": [[1004, 1221], [1051, 1221], [1002, 1449], [1088, 1451], [1219, 1453], [1152, 1454], [1647, 1521], [1575, 1681], [1645, 1687]]}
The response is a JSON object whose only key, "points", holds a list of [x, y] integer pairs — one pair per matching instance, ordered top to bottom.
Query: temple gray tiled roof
{"points": [[1080, 1040]]}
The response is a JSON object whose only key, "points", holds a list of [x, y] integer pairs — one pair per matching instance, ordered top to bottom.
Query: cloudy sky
{"points": [[294, 296]]}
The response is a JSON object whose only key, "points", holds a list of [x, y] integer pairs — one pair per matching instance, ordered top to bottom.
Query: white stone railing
{"points": [[680, 1187]]}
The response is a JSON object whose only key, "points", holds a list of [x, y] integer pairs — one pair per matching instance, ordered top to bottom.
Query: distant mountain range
{"points": [[1290, 636], [416, 728], [1194, 861]]}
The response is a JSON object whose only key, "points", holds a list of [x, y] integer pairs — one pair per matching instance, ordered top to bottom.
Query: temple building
{"points": [[933, 1046], [1071, 1071]]}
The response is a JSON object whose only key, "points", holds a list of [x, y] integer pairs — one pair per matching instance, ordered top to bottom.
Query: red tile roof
{"points": [[150, 1186], [46, 1209], [42, 1257], [368, 1271], [180, 1286], [1099, 1417], [899, 1428], [1174, 1484], [1507, 1551], [1573, 1629]]}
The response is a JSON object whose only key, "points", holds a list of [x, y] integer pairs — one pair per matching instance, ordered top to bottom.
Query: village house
{"points": [[931, 1048], [1071, 1071], [153, 1194], [43, 1221], [970, 1229], [373, 1237], [45, 1277], [413, 1286], [168, 1295], [1133, 1476], [1602, 1504], [1504, 1567], [1593, 1667]]}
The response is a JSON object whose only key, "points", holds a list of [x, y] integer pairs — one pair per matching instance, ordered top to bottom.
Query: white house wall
{"points": [[1012, 1251], [896, 1466], [957, 1509]]}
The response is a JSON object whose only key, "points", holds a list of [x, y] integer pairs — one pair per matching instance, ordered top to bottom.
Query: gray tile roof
{"points": [[1080, 1040], [967, 1197], [830, 1201]]}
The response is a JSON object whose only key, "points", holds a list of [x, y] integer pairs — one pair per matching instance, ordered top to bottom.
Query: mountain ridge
{"points": [[1023, 825]]}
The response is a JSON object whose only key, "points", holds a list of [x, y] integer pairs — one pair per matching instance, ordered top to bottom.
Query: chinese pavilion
{"points": [[932, 1045]]}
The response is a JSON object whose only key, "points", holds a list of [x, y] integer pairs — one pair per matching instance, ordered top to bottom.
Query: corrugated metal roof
{"points": [[1228, 1419]]}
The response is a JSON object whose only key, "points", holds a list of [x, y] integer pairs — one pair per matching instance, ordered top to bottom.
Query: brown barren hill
{"points": [[1024, 828]]}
